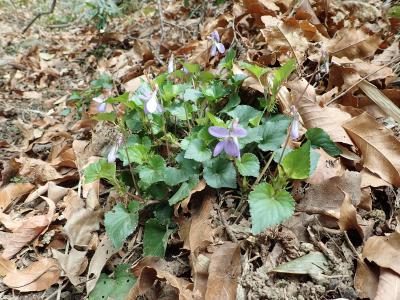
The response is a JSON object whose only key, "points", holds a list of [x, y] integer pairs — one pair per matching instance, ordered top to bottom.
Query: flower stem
{"points": [[264, 170]]}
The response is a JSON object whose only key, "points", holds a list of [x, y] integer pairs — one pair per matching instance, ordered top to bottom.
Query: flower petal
{"points": [[215, 36], [220, 47], [213, 51], [171, 64], [99, 99], [151, 106], [102, 107], [294, 130], [219, 132], [238, 132], [231, 147], [218, 148], [112, 155]]}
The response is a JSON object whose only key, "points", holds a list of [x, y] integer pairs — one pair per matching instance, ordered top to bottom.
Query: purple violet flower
{"points": [[217, 45], [171, 66], [101, 100], [151, 104], [294, 127], [230, 143], [112, 154]]}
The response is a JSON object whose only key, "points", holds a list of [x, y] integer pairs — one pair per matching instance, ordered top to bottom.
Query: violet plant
{"points": [[203, 130]]}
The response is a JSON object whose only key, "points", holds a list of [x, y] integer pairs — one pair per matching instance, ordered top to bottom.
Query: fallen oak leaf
{"points": [[379, 147], [37, 170], [11, 192], [26, 232], [73, 263], [6, 266], [38, 276], [366, 280], [388, 286]]}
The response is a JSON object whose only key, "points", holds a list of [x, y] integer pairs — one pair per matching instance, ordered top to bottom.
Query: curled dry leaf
{"points": [[284, 38], [353, 43], [313, 115], [379, 147], [327, 167], [37, 170], [370, 179], [201, 185], [11, 192], [72, 203], [349, 220], [80, 226], [26, 232], [197, 232], [104, 251], [384, 251], [73, 263], [6, 266], [149, 269], [224, 271], [39, 276], [366, 280], [389, 285]]}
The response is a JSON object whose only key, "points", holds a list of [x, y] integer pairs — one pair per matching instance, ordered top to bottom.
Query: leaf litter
{"points": [[341, 241]]}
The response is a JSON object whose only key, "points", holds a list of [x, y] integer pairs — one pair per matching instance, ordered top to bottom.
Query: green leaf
{"points": [[394, 11], [227, 61], [192, 68], [254, 69], [281, 74], [171, 91], [215, 91], [192, 95], [234, 101], [182, 111], [245, 114], [105, 116], [215, 120], [134, 121], [274, 133], [319, 138], [198, 151], [137, 154], [314, 158], [296, 164], [248, 165], [100, 169], [154, 171], [219, 173], [174, 176], [184, 190], [269, 207], [119, 222], [155, 238], [311, 263], [116, 288]]}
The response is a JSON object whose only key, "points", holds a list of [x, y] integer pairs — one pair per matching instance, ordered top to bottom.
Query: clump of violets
{"points": [[216, 44], [101, 99], [151, 104], [294, 128], [230, 143], [112, 154]]}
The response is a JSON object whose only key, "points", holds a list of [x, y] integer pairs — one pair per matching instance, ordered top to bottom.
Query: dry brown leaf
{"points": [[285, 39], [353, 43], [388, 54], [327, 118], [379, 147], [327, 167], [37, 170], [370, 179], [201, 185], [11, 192], [72, 204], [348, 219], [80, 226], [26, 232], [197, 232], [104, 251], [384, 251], [73, 263], [6, 266], [151, 268], [224, 271], [38, 276], [366, 280], [389, 285]]}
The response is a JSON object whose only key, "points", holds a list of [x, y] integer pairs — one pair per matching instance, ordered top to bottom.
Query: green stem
{"points": [[263, 170]]}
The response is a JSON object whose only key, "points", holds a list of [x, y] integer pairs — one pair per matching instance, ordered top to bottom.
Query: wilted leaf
{"points": [[379, 147], [327, 168], [37, 170], [11, 192], [348, 216], [311, 263], [73, 264], [6, 266], [38, 276], [366, 280], [389, 285]]}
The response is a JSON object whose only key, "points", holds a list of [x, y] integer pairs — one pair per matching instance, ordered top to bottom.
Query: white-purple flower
{"points": [[216, 44], [171, 66], [101, 99], [150, 101], [294, 127], [230, 143], [112, 154]]}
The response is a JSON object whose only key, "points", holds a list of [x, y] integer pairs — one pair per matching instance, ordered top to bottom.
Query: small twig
{"points": [[53, 5], [160, 12], [358, 81], [263, 170], [227, 228], [350, 244], [328, 253], [55, 292]]}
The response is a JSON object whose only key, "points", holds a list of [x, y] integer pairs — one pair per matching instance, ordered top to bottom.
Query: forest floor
{"points": [[343, 240]]}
